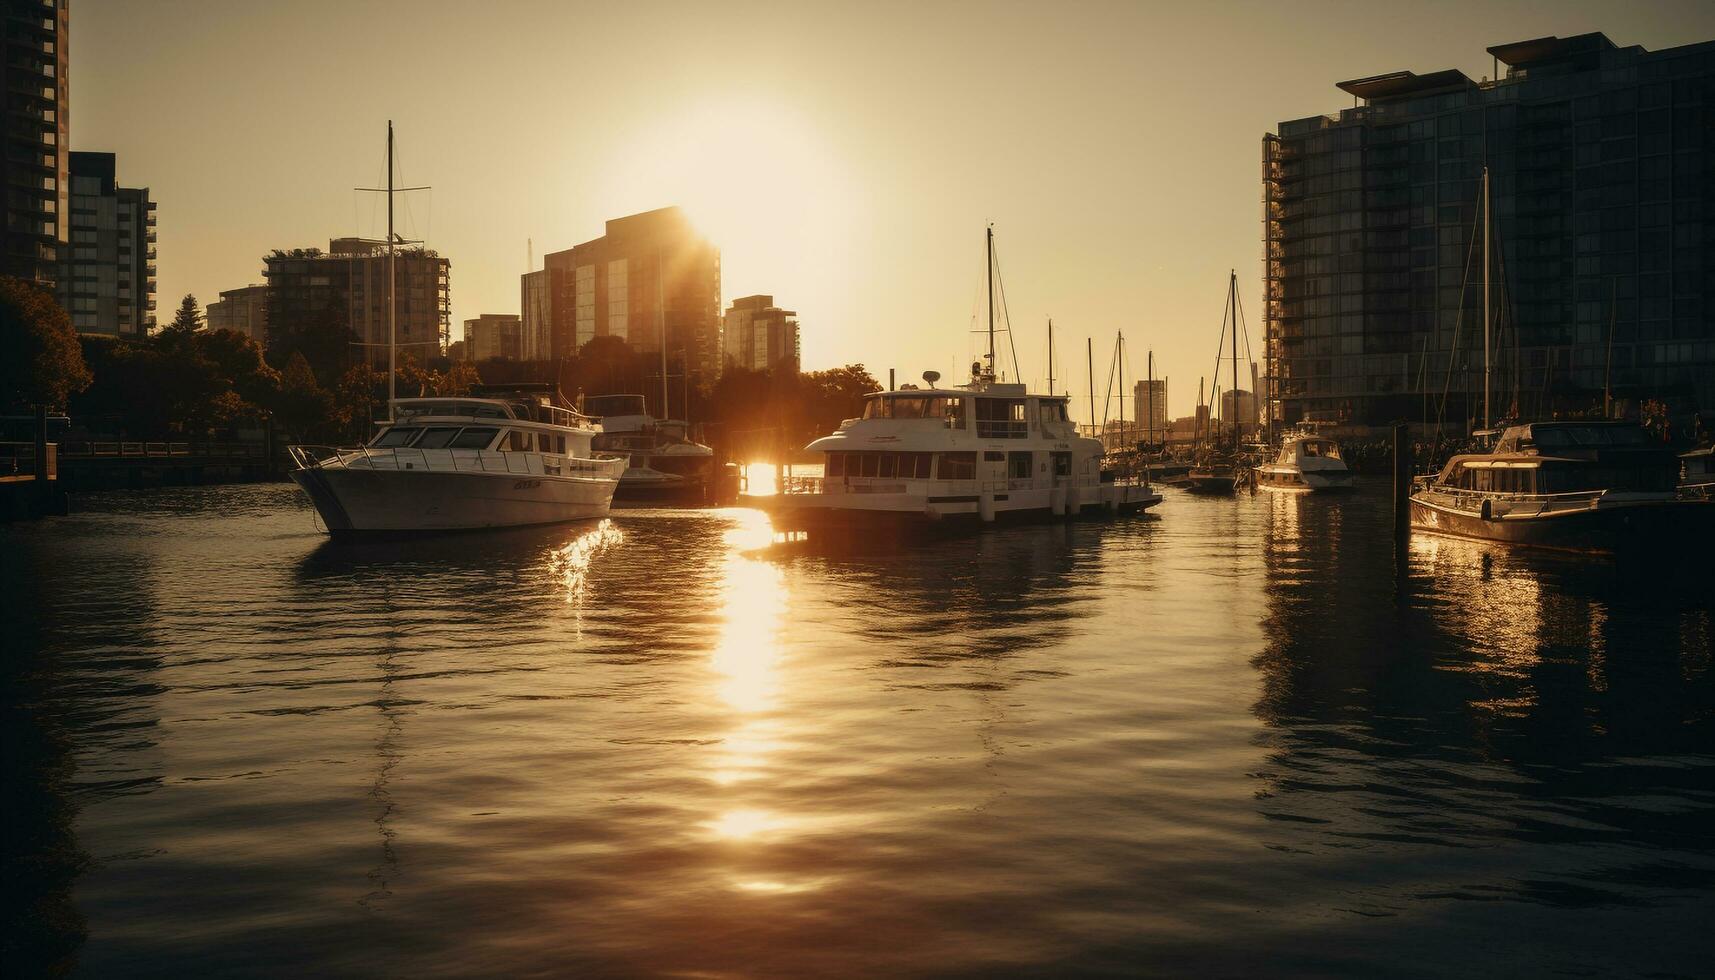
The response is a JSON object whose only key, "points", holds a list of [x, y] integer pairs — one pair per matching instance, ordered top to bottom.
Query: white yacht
{"points": [[980, 452], [664, 461], [1306, 462], [452, 464]]}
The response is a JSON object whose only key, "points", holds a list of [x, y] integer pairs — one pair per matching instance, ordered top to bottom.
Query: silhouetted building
{"points": [[35, 167], [1603, 192], [651, 273], [107, 274], [348, 284], [536, 301], [244, 310], [494, 335], [760, 336], [1149, 405], [1238, 406]]}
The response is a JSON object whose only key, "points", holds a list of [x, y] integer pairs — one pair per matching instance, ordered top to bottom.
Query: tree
{"points": [[188, 319], [42, 363], [303, 406]]}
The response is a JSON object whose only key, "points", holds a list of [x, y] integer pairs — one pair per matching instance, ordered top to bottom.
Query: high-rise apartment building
{"points": [[1601, 163], [35, 167], [107, 274], [651, 274], [349, 282], [244, 310], [494, 335], [760, 336], [1149, 405]]}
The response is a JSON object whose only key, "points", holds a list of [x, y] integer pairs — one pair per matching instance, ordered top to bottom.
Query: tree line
{"points": [[186, 381]]}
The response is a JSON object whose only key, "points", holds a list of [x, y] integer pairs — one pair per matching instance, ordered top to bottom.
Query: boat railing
{"points": [[1002, 429], [446, 461], [1465, 499]]}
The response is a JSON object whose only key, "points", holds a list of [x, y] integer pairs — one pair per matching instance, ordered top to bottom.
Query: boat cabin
{"points": [[999, 411], [475, 423], [1310, 447], [1566, 457]]}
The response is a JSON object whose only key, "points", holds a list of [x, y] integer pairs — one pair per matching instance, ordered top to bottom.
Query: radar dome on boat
{"points": [[930, 377]]}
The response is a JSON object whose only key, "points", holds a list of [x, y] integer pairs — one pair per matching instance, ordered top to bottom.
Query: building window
{"points": [[618, 300]]}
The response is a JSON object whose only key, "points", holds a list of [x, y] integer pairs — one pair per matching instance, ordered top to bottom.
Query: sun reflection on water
{"points": [[570, 563]]}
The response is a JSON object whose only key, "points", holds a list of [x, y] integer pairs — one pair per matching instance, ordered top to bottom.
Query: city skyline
{"points": [[852, 170]]}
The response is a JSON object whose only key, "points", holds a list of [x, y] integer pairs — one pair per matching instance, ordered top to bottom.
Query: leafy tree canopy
{"points": [[41, 363]]}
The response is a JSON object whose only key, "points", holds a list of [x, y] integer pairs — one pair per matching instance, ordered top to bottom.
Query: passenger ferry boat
{"points": [[982, 452], [664, 462], [1306, 463], [453, 464], [1580, 486]]}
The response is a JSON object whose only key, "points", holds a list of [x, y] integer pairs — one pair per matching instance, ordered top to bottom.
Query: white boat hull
{"points": [[1291, 479], [355, 500], [806, 511]]}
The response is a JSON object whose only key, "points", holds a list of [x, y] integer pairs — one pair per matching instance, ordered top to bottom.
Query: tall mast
{"points": [[991, 299], [1233, 302], [392, 318], [661, 328], [1119, 354], [1051, 355], [1090, 355], [1149, 387], [1486, 418]]}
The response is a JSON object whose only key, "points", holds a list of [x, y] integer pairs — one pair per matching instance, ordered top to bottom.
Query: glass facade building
{"points": [[1602, 240], [348, 283], [760, 336]]}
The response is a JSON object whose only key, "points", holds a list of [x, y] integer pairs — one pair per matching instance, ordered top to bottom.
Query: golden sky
{"points": [[844, 157]]}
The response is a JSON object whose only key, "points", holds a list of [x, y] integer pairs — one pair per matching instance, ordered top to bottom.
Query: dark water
{"points": [[1227, 739]]}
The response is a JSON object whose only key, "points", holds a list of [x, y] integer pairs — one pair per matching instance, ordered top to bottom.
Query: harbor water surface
{"points": [[1232, 737]]}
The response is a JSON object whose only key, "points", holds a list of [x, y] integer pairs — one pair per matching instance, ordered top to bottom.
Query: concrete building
{"points": [[35, 167], [1603, 212], [651, 274], [107, 275], [348, 282], [244, 310], [493, 336], [760, 336], [1149, 406], [1239, 406]]}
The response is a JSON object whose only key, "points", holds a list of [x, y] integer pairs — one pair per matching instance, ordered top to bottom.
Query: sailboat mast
{"points": [[990, 243], [1233, 302], [392, 317], [661, 329], [1090, 355], [1149, 386], [1487, 420]]}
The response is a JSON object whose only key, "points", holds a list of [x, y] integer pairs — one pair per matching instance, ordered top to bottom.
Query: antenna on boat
{"points": [[1051, 355]]}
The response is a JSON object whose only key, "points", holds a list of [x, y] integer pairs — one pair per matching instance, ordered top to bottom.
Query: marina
{"points": [[1062, 747]]}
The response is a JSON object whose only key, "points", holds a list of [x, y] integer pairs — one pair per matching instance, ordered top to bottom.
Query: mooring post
{"points": [[1401, 482]]}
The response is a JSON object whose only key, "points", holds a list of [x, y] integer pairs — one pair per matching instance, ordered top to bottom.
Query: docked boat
{"points": [[981, 452], [977, 453], [664, 462], [1306, 463], [455, 464], [1221, 468], [1697, 472], [1214, 474], [1599, 486]]}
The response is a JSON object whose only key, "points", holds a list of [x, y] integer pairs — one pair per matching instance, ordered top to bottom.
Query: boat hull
{"points": [[1292, 480], [1210, 483], [356, 501], [871, 512], [1657, 526]]}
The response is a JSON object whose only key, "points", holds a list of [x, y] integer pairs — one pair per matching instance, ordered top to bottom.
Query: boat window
{"points": [[875, 407], [911, 407], [951, 409], [1052, 411], [1001, 418], [395, 436], [437, 438], [473, 438], [518, 442], [560, 445], [994, 457], [920, 463], [1062, 464], [836, 465], [870, 465], [958, 466], [1018, 466], [888, 467]]}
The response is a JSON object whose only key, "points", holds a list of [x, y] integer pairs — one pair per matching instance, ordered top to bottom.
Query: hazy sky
{"points": [[844, 157]]}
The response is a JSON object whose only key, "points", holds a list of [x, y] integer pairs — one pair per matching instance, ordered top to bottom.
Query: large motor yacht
{"points": [[980, 452], [664, 461], [1306, 462], [451, 464], [1579, 486]]}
